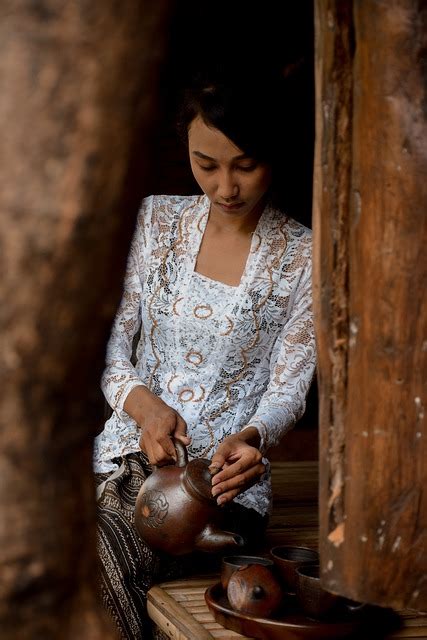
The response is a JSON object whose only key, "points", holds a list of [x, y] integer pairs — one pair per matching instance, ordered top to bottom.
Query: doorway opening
{"points": [[277, 35]]}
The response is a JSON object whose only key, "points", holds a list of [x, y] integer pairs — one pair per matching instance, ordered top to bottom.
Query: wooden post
{"points": [[77, 97], [370, 297]]}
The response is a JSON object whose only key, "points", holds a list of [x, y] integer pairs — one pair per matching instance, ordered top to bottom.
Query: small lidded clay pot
{"points": [[230, 564], [255, 591]]}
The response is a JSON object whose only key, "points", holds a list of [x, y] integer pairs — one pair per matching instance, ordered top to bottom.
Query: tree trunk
{"points": [[77, 99], [370, 302]]}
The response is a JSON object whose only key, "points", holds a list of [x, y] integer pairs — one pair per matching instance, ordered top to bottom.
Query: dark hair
{"points": [[243, 106], [257, 109]]}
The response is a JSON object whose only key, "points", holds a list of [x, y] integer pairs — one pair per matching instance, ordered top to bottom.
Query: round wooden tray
{"points": [[289, 625]]}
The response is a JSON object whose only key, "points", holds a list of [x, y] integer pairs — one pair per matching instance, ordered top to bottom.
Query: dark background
{"points": [[268, 34], [276, 35]]}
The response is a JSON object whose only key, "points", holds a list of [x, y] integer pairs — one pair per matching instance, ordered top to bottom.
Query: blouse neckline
{"points": [[254, 250], [209, 280]]}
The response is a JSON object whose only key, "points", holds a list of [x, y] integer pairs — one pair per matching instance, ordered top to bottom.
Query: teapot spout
{"points": [[212, 539]]}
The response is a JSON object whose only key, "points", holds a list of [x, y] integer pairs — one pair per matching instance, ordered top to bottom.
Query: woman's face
{"points": [[234, 183]]}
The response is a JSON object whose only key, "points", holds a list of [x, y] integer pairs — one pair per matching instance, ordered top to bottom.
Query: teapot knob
{"points": [[258, 592]]}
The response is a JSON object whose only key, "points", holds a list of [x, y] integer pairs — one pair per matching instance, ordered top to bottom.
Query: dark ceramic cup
{"points": [[288, 559], [230, 564], [313, 599]]}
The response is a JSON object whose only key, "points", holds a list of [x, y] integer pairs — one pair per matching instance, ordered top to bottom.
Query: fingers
{"points": [[158, 423], [180, 432], [158, 433], [156, 440], [165, 447], [157, 454], [232, 458], [219, 459], [234, 468], [213, 469], [234, 479]]}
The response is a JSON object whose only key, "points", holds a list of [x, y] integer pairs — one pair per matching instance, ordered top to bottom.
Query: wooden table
{"points": [[179, 609]]}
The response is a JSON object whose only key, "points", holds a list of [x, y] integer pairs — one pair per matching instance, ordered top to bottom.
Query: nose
{"points": [[228, 188]]}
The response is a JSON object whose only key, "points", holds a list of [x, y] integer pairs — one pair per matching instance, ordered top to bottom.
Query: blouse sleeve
{"points": [[292, 368], [120, 376]]}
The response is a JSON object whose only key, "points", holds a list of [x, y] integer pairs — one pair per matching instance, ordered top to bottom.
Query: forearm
{"points": [[292, 367], [120, 377], [135, 404]]}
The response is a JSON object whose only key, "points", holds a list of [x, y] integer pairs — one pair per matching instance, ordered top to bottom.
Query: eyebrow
{"points": [[203, 156]]}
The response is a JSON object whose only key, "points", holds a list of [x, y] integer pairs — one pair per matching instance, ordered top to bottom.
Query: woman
{"points": [[219, 285]]}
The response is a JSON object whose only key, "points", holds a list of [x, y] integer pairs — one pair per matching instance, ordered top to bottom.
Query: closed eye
{"points": [[248, 168], [245, 169]]}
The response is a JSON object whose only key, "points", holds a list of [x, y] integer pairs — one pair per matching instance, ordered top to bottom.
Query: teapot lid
{"points": [[199, 478]]}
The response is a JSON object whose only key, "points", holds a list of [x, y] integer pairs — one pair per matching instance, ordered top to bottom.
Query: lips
{"points": [[231, 207]]}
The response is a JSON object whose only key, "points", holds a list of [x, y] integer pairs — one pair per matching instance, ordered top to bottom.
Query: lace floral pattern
{"points": [[224, 357]]}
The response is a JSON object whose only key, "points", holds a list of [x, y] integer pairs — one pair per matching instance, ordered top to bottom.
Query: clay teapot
{"points": [[175, 511]]}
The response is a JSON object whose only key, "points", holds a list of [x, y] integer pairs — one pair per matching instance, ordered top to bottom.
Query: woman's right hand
{"points": [[159, 423]]}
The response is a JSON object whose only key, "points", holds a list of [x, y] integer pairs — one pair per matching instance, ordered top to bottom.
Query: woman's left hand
{"points": [[237, 465]]}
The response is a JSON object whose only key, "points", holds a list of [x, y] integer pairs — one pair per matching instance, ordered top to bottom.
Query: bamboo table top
{"points": [[179, 609]]}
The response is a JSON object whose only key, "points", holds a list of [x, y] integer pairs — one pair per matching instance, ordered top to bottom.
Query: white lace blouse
{"points": [[224, 357]]}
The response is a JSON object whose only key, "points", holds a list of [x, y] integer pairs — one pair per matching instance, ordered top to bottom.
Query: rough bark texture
{"points": [[76, 100], [370, 275]]}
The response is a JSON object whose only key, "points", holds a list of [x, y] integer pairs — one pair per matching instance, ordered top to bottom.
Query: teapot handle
{"points": [[181, 454]]}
